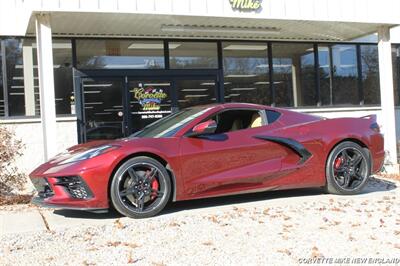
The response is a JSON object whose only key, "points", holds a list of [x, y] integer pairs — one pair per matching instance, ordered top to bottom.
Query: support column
{"points": [[46, 84], [388, 120]]}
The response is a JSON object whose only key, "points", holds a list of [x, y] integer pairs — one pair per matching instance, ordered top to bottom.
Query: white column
{"points": [[46, 84], [388, 120]]}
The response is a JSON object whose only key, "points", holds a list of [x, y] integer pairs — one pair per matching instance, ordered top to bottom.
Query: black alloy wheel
{"points": [[347, 169], [141, 188]]}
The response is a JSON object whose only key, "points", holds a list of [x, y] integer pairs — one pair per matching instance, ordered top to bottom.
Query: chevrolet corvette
{"points": [[210, 151]]}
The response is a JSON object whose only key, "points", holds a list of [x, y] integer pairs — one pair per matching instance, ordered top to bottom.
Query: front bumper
{"points": [[41, 202]]}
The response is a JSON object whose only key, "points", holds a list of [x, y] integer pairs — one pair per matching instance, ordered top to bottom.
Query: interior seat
{"points": [[256, 121], [236, 125]]}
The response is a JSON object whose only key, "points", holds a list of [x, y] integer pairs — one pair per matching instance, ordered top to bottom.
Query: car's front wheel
{"points": [[347, 169], [140, 188]]}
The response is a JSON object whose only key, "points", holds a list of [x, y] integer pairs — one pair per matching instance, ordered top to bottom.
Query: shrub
{"points": [[10, 149]]}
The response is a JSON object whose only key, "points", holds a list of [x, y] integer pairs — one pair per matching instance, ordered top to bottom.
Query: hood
{"points": [[80, 148]]}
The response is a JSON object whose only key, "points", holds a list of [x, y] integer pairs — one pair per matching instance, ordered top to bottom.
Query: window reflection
{"points": [[120, 54], [193, 55], [246, 72], [396, 73], [338, 74], [370, 74], [22, 77], [63, 81], [294, 82], [195, 92], [2, 105]]}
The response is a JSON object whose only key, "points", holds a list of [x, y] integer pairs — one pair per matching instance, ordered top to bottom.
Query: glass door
{"points": [[194, 91], [149, 100], [103, 111]]}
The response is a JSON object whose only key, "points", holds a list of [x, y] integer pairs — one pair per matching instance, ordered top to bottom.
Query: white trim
{"points": [[336, 109], [26, 120]]}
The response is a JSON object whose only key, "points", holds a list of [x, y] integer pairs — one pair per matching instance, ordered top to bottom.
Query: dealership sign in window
{"points": [[246, 5], [150, 100]]}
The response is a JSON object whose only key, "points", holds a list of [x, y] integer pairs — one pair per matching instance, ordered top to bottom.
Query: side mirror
{"points": [[207, 127]]}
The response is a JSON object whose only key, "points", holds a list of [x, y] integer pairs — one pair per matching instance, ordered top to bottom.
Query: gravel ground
{"points": [[278, 231]]}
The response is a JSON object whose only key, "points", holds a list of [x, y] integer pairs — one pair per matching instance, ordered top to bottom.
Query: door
{"points": [[148, 101], [114, 107], [103, 111], [232, 159]]}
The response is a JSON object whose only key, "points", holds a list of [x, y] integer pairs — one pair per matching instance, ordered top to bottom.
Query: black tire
{"points": [[344, 174], [129, 189]]}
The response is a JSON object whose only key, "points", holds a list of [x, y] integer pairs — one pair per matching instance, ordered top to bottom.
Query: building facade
{"points": [[79, 70]]}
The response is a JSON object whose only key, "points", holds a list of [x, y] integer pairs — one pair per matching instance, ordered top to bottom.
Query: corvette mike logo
{"points": [[246, 5], [149, 98]]}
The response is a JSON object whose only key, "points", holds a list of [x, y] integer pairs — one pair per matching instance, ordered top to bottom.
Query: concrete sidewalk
{"points": [[34, 219]]}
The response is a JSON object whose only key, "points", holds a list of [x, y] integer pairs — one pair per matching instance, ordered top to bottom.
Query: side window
{"points": [[272, 116], [233, 120]]}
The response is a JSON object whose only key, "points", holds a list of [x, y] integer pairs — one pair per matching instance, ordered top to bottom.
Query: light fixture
{"points": [[219, 29], [152, 46], [246, 47], [262, 66], [241, 76], [261, 83], [157, 84], [207, 84], [96, 85], [243, 89], [194, 90], [92, 92], [196, 95], [94, 103]]}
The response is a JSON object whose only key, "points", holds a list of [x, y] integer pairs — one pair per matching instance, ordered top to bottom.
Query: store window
{"points": [[120, 54], [193, 55], [246, 71], [396, 73], [294, 74], [370, 74], [338, 75], [22, 77], [63, 80], [21, 85], [2, 105]]}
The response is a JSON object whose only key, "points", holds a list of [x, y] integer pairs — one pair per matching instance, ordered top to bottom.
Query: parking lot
{"points": [[274, 228]]}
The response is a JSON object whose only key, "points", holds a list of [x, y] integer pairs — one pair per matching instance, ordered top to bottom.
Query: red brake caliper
{"points": [[338, 163], [154, 186]]}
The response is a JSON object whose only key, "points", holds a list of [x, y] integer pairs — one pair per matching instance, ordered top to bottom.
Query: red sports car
{"points": [[210, 151]]}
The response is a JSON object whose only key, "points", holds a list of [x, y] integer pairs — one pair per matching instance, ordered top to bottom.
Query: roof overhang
{"points": [[141, 25]]}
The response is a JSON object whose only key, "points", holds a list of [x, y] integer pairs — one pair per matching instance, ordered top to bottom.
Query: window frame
{"points": [[261, 112]]}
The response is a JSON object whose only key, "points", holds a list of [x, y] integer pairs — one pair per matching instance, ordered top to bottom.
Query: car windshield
{"points": [[169, 125]]}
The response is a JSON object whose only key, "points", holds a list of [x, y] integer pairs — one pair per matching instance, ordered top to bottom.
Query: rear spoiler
{"points": [[370, 117], [374, 124]]}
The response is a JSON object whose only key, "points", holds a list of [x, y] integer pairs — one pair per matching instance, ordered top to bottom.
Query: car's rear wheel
{"points": [[347, 169], [140, 187]]}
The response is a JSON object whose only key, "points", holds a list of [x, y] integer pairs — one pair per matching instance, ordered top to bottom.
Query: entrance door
{"points": [[149, 100], [118, 106], [103, 115]]}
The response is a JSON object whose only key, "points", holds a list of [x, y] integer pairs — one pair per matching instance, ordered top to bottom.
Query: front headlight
{"points": [[84, 155]]}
